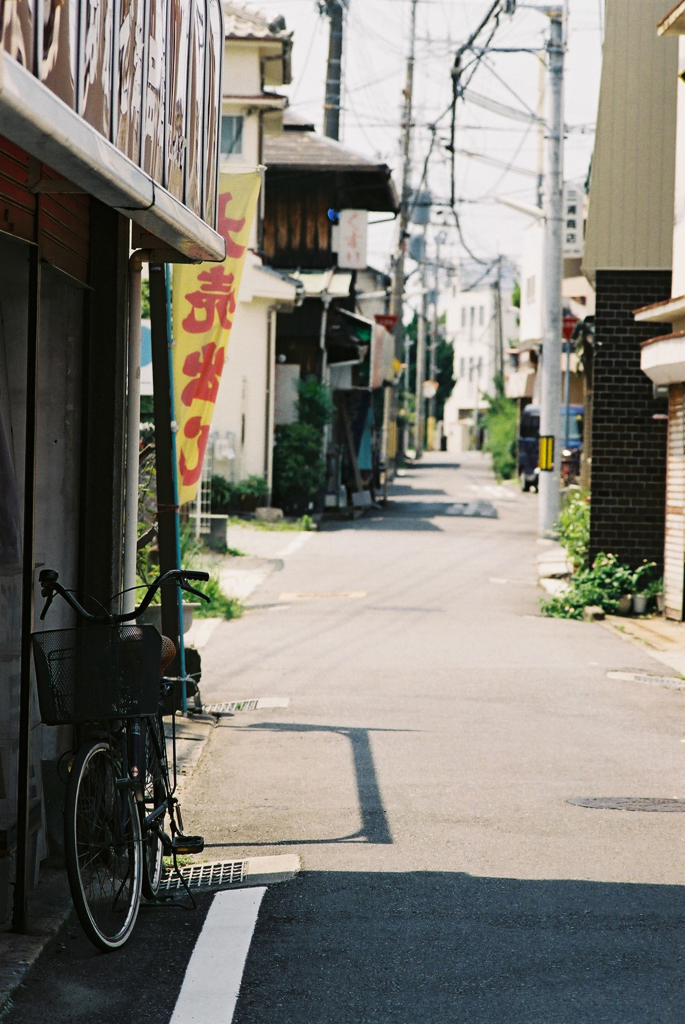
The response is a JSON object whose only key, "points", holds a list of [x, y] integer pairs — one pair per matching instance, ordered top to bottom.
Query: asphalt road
{"points": [[436, 729]]}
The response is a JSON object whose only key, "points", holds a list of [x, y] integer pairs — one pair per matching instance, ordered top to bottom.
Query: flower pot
{"points": [[640, 602], [660, 603], [625, 604], [152, 616]]}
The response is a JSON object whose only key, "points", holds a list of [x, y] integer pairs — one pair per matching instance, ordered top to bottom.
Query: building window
{"points": [[232, 135], [530, 290], [473, 315], [481, 315], [463, 316], [461, 367]]}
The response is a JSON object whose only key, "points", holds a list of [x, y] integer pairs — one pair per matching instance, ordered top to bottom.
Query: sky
{"points": [[375, 52]]}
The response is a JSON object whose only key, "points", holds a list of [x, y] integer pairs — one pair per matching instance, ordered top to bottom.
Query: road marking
{"points": [[294, 545], [348, 595], [200, 631], [212, 982]]}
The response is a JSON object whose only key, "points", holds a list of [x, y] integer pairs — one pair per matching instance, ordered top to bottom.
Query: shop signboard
{"points": [[146, 74]]}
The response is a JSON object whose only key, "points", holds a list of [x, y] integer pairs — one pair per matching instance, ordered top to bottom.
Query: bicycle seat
{"points": [[168, 653]]}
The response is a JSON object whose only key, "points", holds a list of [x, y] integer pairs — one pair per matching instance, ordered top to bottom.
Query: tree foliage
{"points": [[501, 432]]}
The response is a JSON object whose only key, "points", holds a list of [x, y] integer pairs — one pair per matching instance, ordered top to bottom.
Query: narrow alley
{"points": [[436, 728]]}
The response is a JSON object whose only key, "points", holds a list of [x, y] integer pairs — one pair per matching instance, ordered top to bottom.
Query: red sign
{"points": [[387, 320], [569, 326]]}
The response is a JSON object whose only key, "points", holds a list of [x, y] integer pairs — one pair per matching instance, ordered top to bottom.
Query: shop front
{"points": [[108, 146]]}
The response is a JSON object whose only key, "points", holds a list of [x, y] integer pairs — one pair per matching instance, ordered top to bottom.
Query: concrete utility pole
{"points": [[331, 111], [397, 296], [499, 326], [421, 354], [433, 371], [550, 411]]}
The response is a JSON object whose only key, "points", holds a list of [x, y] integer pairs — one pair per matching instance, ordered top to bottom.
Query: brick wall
{"points": [[628, 445]]}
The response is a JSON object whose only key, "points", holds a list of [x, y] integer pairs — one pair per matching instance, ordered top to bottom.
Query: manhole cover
{"points": [[473, 510], [630, 803], [205, 877]]}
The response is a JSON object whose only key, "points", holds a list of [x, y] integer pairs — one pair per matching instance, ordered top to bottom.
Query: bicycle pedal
{"points": [[188, 844]]}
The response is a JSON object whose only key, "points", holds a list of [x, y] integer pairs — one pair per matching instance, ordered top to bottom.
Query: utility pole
{"points": [[334, 9], [397, 296], [499, 326], [421, 354], [433, 371], [550, 411]]}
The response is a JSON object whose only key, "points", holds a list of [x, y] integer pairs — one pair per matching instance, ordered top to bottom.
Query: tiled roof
{"points": [[247, 22], [307, 149]]}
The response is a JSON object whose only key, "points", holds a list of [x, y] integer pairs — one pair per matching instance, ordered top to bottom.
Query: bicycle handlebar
{"points": [[50, 586]]}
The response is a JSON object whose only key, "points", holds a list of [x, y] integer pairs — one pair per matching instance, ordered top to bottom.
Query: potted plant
{"points": [[250, 492], [643, 587], [655, 593]]}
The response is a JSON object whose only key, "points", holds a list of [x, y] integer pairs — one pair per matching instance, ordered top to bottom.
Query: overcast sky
{"points": [[376, 45]]}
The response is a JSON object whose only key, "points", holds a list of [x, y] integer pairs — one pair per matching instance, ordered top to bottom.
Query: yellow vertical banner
{"points": [[204, 303]]}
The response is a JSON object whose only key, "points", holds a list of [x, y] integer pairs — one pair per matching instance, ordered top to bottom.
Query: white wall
{"points": [[242, 73], [532, 282], [678, 286], [241, 402]]}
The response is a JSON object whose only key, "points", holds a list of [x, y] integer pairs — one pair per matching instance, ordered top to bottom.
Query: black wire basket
{"points": [[97, 673]]}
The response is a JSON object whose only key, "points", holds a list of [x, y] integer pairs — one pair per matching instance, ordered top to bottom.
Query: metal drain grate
{"points": [[473, 510], [668, 682], [253, 704], [230, 706], [630, 803], [220, 874]]}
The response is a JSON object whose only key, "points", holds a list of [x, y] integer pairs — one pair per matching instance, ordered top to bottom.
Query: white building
{"points": [[257, 56], [577, 294], [473, 330]]}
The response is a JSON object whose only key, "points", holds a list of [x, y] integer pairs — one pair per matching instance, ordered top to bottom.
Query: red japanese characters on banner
{"points": [[204, 306]]}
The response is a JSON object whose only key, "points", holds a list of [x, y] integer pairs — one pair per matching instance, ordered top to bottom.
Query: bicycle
{"points": [[109, 678]]}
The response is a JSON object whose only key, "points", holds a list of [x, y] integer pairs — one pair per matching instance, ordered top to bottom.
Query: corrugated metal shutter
{"points": [[64, 217], [674, 555]]}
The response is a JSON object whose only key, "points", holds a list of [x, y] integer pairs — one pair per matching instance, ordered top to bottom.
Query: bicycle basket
{"points": [[97, 673]]}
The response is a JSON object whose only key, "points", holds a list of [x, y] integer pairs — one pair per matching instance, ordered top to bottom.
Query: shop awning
{"points": [[39, 122], [335, 283], [663, 358]]}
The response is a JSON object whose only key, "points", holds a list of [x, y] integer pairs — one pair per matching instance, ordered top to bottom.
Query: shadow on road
{"points": [[374, 828], [443, 948]]}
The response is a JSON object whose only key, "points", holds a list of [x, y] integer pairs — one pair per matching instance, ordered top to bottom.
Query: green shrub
{"points": [[315, 404], [501, 435], [299, 470], [252, 487], [222, 494], [227, 496], [574, 526], [603, 585], [219, 604]]}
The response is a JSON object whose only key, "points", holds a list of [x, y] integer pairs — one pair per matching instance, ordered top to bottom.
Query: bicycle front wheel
{"points": [[102, 847]]}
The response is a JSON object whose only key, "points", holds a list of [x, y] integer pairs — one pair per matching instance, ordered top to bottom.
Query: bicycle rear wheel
{"points": [[155, 795], [102, 847]]}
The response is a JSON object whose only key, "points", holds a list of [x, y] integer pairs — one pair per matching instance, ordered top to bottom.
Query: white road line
{"points": [[294, 545], [210, 988]]}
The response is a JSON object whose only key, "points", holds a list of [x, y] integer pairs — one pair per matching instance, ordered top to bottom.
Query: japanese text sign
{"points": [[204, 305]]}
